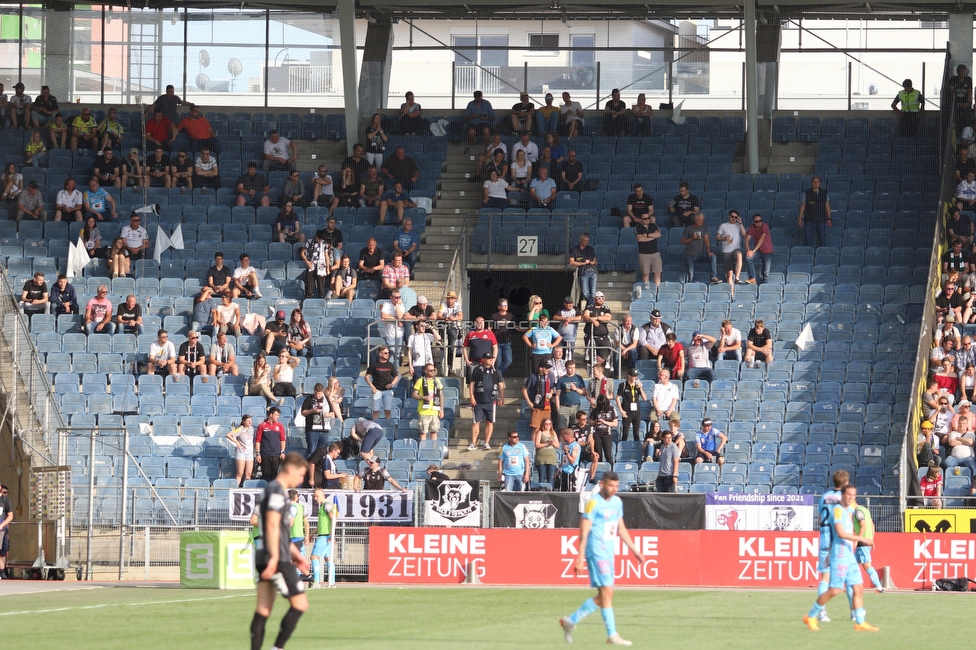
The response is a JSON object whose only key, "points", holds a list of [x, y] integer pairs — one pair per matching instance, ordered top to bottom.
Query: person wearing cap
{"points": [[912, 104], [18, 107], [44, 108], [522, 113], [279, 153], [131, 170], [252, 188], [583, 258], [320, 262], [421, 311], [452, 315], [568, 319], [503, 323], [948, 330], [596, 332], [276, 334], [628, 337], [652, 337], [541, 339], [759, 345], [671, 356], [191, 358], [699, 361], [381, 376], [486, 389], [428, 390], [630, 394], [664, 397], [964, 420], [709, 443], [269, 444], [927, 446], [514, 466], [374, 477]]}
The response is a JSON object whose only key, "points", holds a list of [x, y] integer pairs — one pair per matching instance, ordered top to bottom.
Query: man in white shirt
{"points": [[530, 148], [279, 153], [323, 188], [966, 191], [68, 202], [730, 236], [136, 237], [246, 279], [393, 313], [729, 342], [162, 354], [699, 364], [664, 399], [961, 450]]}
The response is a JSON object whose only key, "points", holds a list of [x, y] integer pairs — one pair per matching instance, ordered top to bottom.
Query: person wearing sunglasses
{"points": [[759, 250]]}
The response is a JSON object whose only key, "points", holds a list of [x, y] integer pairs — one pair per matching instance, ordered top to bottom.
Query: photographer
{"points": [[731, 235], [419, 347]]}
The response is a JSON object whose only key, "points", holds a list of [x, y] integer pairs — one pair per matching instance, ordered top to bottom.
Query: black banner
{"points": [[649, 511]]}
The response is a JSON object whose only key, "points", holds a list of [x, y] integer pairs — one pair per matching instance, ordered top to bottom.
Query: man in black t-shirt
{"points": [[522, 114], [615, 120], [964, 164], [360, 166], [106, 169], [157, 169], [181, 171], [571, 174], [252, 187], [638, 204], [684, 207], [332, 234], [648, 257], [583, 258], [371, 261], [219, 279], [34, 297], [129, 317], [596, 318], [502, 326], [276, 334], [759, 345], [191, 358], [381, 376], [486, 388], [315, 410], [278, 562]]}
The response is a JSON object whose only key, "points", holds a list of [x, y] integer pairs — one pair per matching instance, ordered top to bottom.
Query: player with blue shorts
{"points": [[829, 499], [602, 521], [322, 549], [844, 570]]}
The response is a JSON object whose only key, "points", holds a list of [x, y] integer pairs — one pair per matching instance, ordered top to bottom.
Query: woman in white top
{"points": [[571, 116], [376, 141], [521, 170], [13, 184], [495, 191], [92, 237], [226, 317], [419, 347], [284, 373], [967, 382], [260, 383], [243, 438]]}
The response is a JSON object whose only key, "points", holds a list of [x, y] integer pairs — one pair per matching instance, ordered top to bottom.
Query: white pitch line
{"points": [[102, 606]]}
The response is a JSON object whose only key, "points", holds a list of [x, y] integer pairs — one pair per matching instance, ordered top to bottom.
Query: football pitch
{"points": [[472, 617]]}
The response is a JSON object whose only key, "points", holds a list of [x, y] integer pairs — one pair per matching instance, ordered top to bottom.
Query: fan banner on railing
{"points": [[456, 504], [374, 506], [562, 510], [730, 511]]}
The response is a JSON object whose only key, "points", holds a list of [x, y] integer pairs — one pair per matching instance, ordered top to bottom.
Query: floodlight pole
{"points": [[752, 88], [350, 89]]}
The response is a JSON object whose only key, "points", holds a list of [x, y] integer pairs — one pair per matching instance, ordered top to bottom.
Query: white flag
{"points": [[676, 115], [176, 239], [162, 243], [72, 254], [78, 258], [805, 338]]}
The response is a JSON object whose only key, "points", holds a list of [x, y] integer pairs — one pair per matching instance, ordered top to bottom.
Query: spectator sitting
{"points": [[168, 102], [18, 107], [44, 108], [642, 112], [522, 113], [478, 116], [550, 116], [571, 117], [411, 118], [615, 120], [159, 129], [57, 131], [84, 131], [110, 131], [202, 136], [376, 140], [530, 148], [556, 150], [35, 152], [279, 153], [546, 160], [357, 163], [497, 164], [402, 168], [106, 169], [158, 169], [481, 169], [131, 170], [181, 171], [521, 171], [206, 173], [571, 174], [13, 183], [252, 187], [323, 187], [294, 190], [349, 190], [371, 190], [966, 190], [495, 191], [542, 191], [397, 200], [99, 203], [30, 204], [638, 204], [684, 207], [288, 225], [959, 226], [730, 234], [136, 237], [92, 238], [407, 242], [697, 246], [759, 248], [117, 257], [956, 259], [371, 261], [395, 275], [219, 279], [246, 279], [344, 280], [63, 297], [34, 299], [951, 300], [98, 313], [129, 317], [226, 317], [947, 330], [276, 334], [299, 334], [653, 336], [628, 337], [729, 342], [759, 345], [162, 354], [671, 357], [191, 359], [222, 360], [699, 363], [665, 397], [709, 443], [931, 483]]}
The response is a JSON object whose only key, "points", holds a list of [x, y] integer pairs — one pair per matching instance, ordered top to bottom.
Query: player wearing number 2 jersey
{"points": [[829, 499], [602, 522], [844, 570]]}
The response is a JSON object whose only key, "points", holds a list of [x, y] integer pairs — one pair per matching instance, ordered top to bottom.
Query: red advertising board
{"points": [[506, 556]]}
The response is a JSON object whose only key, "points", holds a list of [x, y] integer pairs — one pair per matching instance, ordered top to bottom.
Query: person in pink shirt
{"points": [[98, 314]]}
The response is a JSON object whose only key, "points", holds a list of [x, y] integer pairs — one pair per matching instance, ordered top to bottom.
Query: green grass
{"points": [[473, 617]]}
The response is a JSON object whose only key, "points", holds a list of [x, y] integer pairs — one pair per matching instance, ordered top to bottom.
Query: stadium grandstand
{"points": [[851, 315]]}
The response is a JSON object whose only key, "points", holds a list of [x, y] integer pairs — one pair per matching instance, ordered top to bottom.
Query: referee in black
{"points": [[277, 560]]}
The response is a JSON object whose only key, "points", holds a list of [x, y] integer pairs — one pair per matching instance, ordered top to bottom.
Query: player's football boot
{"points": [[822, 616], [811, 623], [864, 627], [567, 629], [616, 640]]}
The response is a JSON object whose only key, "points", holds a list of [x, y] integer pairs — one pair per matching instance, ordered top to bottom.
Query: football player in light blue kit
{"points": [[829, 499], [602, 521], [844, 569]]}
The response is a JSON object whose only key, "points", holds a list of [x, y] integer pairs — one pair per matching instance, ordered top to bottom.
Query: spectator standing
{"points": [[961, 88], [167, 104], [912, 105], [411, 117], [479, 117], [615, 120], [376, 140], [279, 153], [685, 207], [815, 215], [730, 235], [697, 247], [759, 249], [648, 256], [583, 258], [320, 261], [63, 297], [35, 299], [98, 313], [393, 314], [452, 315], [129, 317], [596, 317], [568, 320], [503, 324], [541, 339], [477, 343], [759, 345], [699, 353], [162, 354], [671, 356], [381, 376], [428, 390], [486, 390], [539, 391], [570, 394], [630, 394], [664, 397], [316, 410], [604, 421], [583, 434], [242, 437], [546, 442], [709, 443], [269, 444], [513, 463], [322, 467], [667, 472], [375, 477], [566, 478], [6, 516]]}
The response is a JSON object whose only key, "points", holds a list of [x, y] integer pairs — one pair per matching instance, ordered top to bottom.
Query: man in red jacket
{"points": [[269, 444]]}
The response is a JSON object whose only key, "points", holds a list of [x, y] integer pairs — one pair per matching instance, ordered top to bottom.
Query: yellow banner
{"points": [[940, 521]]}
